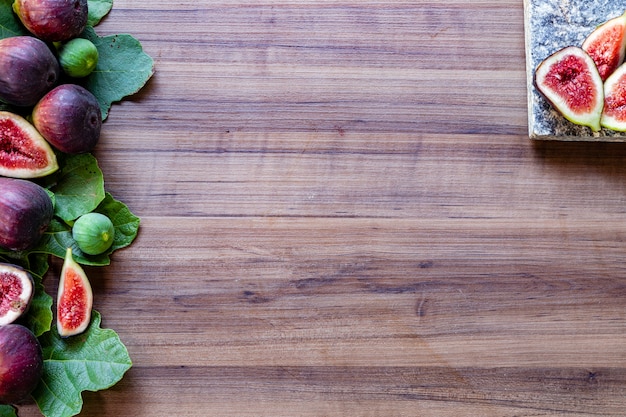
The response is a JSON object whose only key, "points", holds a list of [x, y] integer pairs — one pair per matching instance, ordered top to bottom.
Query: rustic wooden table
{"points": [[342, 215]]}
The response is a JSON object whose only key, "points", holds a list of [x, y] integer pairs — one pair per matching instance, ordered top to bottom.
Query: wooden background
{"points": [[342, 215]]}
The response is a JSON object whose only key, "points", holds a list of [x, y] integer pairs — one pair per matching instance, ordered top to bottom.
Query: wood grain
{"points": [[342, 214]]}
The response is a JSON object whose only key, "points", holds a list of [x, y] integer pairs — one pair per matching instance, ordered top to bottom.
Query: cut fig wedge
{"points": [[606, 45], [570, 81], [614, 113], [74, 298]]}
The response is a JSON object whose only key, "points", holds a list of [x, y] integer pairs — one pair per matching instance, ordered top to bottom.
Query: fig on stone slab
{"points": [[52, 20], [606, 45], [28, 70], [570, 81], [614, 113], [69, 118], [24, 153], [25, 213], [16, 292], [74, 298], [21, 363]]}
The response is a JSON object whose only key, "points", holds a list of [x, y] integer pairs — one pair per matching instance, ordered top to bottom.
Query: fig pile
{"points": [[586, 83], [50, 122]]}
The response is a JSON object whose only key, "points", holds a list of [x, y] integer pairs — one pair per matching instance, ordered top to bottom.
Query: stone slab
{"points": [[549, 26]]}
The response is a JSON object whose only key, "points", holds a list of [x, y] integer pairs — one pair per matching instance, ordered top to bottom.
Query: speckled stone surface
{"points": [[551, 25]]}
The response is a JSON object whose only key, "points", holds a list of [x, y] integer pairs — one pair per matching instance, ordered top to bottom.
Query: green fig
{"points": [[78, 57], [94, 233]]}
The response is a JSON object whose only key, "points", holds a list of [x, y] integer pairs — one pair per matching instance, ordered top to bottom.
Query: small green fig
{"points": [[78, 57], [94, 233]]}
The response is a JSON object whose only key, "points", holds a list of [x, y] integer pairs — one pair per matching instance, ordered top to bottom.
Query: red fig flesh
{"points": [[606, 45], [570, 81], [614, 114], [24, 153], [16, 292], [74, 298]]}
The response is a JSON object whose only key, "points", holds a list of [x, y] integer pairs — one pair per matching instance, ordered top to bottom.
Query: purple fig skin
{"points": [[53, 20], [28, 70], [69, 118], [25, 213], [21, 363]]}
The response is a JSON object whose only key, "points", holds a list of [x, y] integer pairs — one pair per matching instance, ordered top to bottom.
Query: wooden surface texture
{"points": [[343, 215]]}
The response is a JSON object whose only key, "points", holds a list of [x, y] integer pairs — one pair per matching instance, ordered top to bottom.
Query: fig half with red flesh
{"points": [[606, 45], [570, 81], [614, 113], [24, 153], [16, 292]]}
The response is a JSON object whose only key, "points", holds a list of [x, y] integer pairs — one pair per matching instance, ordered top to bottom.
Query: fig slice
{"points": [[606, 45], [570, 81], [614, 113], [24, 153], [16, 292], [74, 298]]}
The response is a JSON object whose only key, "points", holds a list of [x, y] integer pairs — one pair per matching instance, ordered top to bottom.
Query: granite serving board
{"points": [[549, 26]]}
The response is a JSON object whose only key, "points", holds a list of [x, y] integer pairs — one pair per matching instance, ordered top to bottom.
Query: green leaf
{"points": [[97, 10], [10, 24], [123, 68], [79, 188], [125, 222], [58, 236], [39, 318], [93, 361], [7, 411]]}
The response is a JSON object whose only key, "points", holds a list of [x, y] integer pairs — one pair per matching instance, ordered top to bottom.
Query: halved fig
{"points": [[606, 45], [570, 81], [614, 113], [24, 153], [25, 213], [16, 292], [74, 298]]}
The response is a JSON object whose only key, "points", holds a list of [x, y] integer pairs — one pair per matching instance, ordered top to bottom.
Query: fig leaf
{"points": [[97, 10], [10, 24], [123, 68], [79, 188], [58, 237], [92, 361], [7, 411]]}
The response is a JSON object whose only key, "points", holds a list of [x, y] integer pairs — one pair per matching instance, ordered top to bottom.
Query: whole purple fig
{"points": [[52, 20], [28, 70], [69, 118], [25, 213], [21, 362]]}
